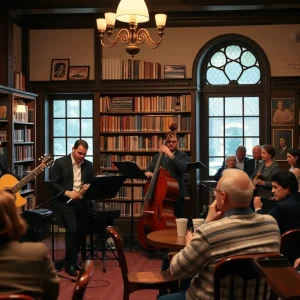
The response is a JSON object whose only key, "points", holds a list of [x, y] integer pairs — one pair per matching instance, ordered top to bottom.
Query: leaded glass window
{"points": [[233, 65], [72, 120]]}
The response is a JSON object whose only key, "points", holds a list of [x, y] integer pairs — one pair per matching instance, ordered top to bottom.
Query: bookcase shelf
{"points": [[18, 133]]}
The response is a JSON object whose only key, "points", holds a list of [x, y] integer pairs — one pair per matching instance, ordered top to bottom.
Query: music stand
{"points": [[195, 165], [132, 171], [101, 189]]}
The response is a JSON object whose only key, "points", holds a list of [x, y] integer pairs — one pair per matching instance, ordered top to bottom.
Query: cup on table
{"points": [[197, 222], [181, 224]]}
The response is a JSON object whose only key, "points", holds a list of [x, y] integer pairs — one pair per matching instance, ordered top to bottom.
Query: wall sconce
{"points": [[132, 12]]}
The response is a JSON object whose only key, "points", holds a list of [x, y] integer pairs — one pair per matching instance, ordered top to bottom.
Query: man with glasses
{"points": [[175, 162], [230, 228]]}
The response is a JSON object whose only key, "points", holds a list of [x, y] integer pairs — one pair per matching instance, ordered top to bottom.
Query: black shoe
{"points": [[77, 267], [71, 271]]}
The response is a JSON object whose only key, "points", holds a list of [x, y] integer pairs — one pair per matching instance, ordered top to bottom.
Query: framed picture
{"points": [[59, 69], [174, 71], [79, 73], [283, 111], [3, 112], [282, 142]]}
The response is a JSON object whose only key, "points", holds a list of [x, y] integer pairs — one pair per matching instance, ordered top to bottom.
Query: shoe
{"points": [[77, 267], [71, 271]]}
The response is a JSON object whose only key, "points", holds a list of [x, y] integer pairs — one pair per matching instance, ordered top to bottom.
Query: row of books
{"points": [[115, 68], [19, 81], [146, 103], [27, 116], [144, 123], [22, 135], [139, 143], [23, 152], [106, 160], [125, 193], [30, 204], [125, 208]]}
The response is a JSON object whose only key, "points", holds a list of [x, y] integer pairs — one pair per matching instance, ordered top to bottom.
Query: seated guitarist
{"points": [[175, 162], [262, 178]]}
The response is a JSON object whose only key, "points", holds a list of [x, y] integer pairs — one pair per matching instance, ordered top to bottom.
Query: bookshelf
{"points": [[133, 123], [17, 133]]}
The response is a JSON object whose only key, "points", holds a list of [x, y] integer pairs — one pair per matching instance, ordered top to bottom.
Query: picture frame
{"points": [[59, 69], [174, 71], [78, 72], [283, 111], [3, 112], [282, 141]]}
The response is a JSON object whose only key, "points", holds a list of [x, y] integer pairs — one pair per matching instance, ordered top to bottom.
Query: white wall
{"points": [[45, 45], [179, 46]]}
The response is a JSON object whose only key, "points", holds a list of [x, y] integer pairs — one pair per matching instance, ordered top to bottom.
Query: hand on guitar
{"points": [[214, 213]]}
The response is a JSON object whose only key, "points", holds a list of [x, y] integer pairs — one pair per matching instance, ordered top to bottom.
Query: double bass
{"points": [[161, 193]]}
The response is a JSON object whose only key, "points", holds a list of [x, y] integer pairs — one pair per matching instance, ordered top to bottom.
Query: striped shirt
{"points": [[240, 231]]}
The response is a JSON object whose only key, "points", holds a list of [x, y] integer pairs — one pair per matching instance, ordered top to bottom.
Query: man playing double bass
{"points": [[175, 162]]}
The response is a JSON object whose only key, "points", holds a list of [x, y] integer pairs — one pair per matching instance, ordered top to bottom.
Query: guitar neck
{"points": [[27, 178]]}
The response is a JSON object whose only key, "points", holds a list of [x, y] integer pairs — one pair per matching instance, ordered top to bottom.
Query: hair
{"points": [[173, 131], [82, 143], [241, 147], [270, 149], [296, 153], [230, 156], [286, 179], [238, 191], [12, 226]]}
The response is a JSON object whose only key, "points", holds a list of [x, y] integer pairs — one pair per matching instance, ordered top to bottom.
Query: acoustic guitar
{"points": [[13, 185]]}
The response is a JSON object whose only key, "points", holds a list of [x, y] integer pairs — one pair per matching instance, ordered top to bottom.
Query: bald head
{"points": [[256, 152], [238, 188]]}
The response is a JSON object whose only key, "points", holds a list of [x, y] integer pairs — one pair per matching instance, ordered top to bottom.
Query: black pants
{"points": [[179, 207], [74, 217]]}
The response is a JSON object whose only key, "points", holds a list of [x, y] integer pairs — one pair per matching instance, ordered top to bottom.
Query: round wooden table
{"points": [[166, 239]]}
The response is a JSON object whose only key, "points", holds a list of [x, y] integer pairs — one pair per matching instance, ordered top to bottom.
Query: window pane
{"points": [[233, 52], [218, 59], [248, 59], [233, 70], [216, 76], [250, 76], [233, 106], [251, 106], [216, 107], [59, 108], [73, 108], [86, 108], [216, 126], [233, 126], [59, 127], [73, 127], [87, 127], [251, 127], [71, 142], [90, 143], [250, 143], [231, 145], [59, 146], [216, 147], [90, 158], [215, 163]]}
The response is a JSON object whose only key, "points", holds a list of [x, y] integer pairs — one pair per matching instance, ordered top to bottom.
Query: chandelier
{"points": [[132, 12]]}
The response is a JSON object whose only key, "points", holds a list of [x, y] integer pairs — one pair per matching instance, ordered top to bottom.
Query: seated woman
{"points": [[293, 158], [230, 162], [262, 178], [287, 208], [26, 268]]}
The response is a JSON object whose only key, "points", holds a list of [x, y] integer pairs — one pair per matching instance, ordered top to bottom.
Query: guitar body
{"points": [[7, 182], [162, 204]]}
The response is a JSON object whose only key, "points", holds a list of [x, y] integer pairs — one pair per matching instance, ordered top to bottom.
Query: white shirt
{"points": [[76, 174]]}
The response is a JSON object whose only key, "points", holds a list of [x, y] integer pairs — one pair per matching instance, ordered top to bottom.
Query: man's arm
{"points": [[152, 164], [55, 178]]}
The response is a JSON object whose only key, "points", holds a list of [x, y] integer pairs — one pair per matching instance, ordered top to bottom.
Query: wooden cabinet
{"points": [[17, 134]]}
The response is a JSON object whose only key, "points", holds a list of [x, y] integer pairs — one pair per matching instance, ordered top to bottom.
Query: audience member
{"points": [[240, 154], [293, 158], [230, 162], [252, 164], [265, 170], [287, 209], [230, 228], [26, 268]]}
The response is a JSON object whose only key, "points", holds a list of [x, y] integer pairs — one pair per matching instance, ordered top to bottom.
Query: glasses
{"points": [[171, 142], [215, 192]]}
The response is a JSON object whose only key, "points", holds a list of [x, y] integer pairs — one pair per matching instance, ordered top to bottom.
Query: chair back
{"points": [[290, 245], [121, 256], [241, 266], [83, 279], [15, 296]]}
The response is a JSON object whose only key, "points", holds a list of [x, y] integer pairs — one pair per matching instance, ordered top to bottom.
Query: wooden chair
{"points": [[290, 245], [240, 265], [83, 279], [140, 280], [16, 296]]}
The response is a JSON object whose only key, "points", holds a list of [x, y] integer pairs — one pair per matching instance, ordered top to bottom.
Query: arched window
{"points": [[233, 73]]}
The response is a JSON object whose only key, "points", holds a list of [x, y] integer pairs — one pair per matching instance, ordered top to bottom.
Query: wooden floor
{"points": [[109, 285]]}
